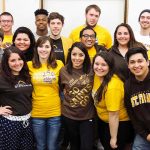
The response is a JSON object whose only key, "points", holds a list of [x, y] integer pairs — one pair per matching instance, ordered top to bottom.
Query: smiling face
{"points": [[92, 17], [145, 20], [41, 22], [6, 23], [55, 27], [122, 36], [88, 38], [22, 41], [44, 51], [77, 58], [15, 63], [138, 66], [100, 67]]}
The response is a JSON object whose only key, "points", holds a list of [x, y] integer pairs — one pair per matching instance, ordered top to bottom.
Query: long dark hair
{"points": [[132, 42], [29, 52], [110, 61], [51, 62], [86, 63], [6, 71]]}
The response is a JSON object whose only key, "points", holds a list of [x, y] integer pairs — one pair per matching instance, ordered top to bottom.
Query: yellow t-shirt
{"points": [[103, 36], [7, 39], [92, 53], [45, 96], [113, 100]]}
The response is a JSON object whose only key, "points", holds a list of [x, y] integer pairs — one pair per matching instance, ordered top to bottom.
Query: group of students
{"points": [[84, 90]]}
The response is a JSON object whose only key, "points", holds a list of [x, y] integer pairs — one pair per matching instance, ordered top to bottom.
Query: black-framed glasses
{"points": [[89, 36]]}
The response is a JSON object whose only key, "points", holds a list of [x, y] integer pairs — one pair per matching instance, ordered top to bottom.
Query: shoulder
{"points": [[101, 28], [77, 29], [65, 39], [29, 63], [59, 63], [63, 70], [115, 82]]}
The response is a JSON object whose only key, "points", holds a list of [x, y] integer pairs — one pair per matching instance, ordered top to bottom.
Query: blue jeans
{"points": [[46, 132], [140, 143]]}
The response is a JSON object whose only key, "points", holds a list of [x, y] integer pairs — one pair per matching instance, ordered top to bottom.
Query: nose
{"points": [[22, 41], [17, 62], [136, 64]]}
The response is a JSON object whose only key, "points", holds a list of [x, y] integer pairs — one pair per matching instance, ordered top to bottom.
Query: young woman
{"points": [[23, 39], [123, 40], [15, 102], [78, 110], [46, 111], [115, 130]]}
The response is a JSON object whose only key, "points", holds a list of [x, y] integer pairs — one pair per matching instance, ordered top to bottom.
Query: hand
{"points": [[7, 44], [5, 110], [148, 137], [113, 143]]}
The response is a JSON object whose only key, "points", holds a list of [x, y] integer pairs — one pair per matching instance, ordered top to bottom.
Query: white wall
{"points": [[1, 6], [135, 7], [72, 10], [23, 12]]}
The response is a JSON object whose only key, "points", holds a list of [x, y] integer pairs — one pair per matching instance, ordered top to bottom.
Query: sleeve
{"points": [[109, 40], [113, 98], [138, 126]]}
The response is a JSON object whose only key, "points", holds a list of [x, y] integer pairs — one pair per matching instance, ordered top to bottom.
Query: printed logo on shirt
{"points": [[45, 77], [84, 79], [22, 84], [80, 96], [140, 98]]}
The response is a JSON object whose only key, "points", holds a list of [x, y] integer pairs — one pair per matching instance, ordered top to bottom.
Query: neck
{"points": [[8, 32], [145, 32], [42, 33], [55, 37], [123, 49], [43, 61], [101, 79]]}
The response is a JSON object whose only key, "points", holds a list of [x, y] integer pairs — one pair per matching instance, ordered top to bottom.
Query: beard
{"points": [[92, 26]]}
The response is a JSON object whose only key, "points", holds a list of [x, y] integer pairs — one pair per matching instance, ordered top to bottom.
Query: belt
{"points": [[17, 118]]}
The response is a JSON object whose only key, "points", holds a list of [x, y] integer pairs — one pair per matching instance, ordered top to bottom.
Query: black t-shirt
{"points": [[58, 49], [17, 96]]}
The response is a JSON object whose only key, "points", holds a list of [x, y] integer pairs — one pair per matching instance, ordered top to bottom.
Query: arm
{"points": [[5, 110], [137, 124], [113, 126]]}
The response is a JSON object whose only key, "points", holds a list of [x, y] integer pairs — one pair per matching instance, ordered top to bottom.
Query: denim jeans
{"points": [[46, 132], [140, 143]]}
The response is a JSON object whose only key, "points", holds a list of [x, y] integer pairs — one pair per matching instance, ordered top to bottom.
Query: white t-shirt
{"points": [[143, 39]]}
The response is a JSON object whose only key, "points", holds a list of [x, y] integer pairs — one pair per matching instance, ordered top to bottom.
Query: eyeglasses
{"points": [[6, 21], [89, 36]]}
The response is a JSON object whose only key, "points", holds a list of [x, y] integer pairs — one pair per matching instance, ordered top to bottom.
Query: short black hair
{"points": [[145, 10], [41, 11], [87, 28], [136, 50]]}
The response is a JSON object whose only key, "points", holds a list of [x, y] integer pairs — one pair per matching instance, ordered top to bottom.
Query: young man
{"points": [[92, 14], [41, 18], [6, 23], [143, 35], [88, 38], [60, 44], [137, 96]]}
